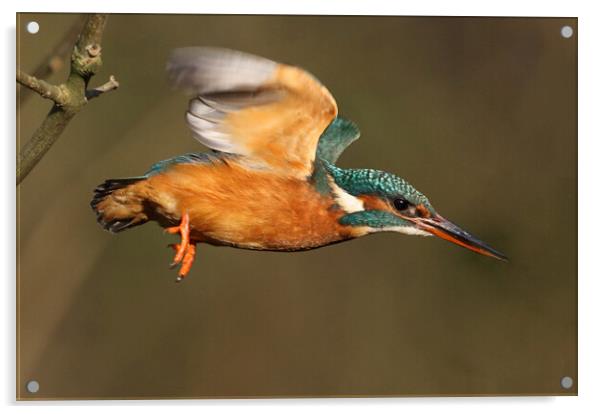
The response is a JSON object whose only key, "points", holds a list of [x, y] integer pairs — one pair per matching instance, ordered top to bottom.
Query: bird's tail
{"points": [[118, 205]]}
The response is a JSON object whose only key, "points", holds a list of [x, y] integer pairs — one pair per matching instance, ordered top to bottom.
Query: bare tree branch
{"points": [[57, 58], [45, 89], [69, 98]]}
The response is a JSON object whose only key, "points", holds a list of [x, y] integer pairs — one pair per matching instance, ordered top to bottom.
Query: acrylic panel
{"points": [[473, 119]]}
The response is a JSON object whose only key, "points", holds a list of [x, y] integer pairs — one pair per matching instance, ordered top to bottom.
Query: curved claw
{"points": [[184, 230], [176, 247], [185, 250], [187, 262]]}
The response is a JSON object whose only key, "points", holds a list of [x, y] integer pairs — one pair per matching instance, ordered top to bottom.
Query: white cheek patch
{"points": [[346, 201], [412, 231]]}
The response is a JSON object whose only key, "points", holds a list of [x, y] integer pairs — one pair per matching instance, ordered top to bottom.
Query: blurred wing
{"points": [[273, 114]]}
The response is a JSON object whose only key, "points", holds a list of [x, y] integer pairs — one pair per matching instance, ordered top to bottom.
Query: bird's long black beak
{"points": [[445, 229]]}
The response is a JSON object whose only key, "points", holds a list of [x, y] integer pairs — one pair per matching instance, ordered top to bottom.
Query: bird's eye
{"points": [[401, 204]]}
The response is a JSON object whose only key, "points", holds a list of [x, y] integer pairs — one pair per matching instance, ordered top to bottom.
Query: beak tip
{"points": [[447, 230], [502, 257]]}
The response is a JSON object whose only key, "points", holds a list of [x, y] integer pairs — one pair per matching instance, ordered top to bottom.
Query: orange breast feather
{"points": [[232, 205]]}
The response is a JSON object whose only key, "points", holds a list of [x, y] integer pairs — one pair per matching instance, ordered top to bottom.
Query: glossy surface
{"points": [[480, 114]]}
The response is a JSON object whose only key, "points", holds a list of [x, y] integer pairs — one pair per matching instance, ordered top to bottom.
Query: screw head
{"points": [[33, 27], [566, 32], [566, 383], [33, 386]]}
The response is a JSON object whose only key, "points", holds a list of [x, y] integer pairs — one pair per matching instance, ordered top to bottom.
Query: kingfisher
{"points": [[270, 180]]}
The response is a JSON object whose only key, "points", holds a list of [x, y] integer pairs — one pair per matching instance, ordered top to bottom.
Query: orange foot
{"points": [[185, 250], [186, 261]]}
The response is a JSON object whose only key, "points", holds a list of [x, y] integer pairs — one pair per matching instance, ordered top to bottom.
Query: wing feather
{"points": [[206, 69], [271, 113]]}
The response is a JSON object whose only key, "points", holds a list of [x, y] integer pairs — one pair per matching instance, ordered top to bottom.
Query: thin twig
{"points": [[111, 85], [43, 88], [69, 97]]}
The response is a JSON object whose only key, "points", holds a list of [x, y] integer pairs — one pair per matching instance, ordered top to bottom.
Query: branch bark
{"points": [[56, 59], [45, 89], [69, 98]]}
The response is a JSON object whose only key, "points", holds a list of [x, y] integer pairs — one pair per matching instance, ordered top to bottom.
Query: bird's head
{"points": [[376, 201]]}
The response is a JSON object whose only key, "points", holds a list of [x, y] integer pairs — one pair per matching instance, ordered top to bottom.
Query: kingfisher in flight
{"points": [[270, 181]]}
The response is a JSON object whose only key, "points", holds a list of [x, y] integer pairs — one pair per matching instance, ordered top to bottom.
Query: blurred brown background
{"points": [[478, 113]]}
